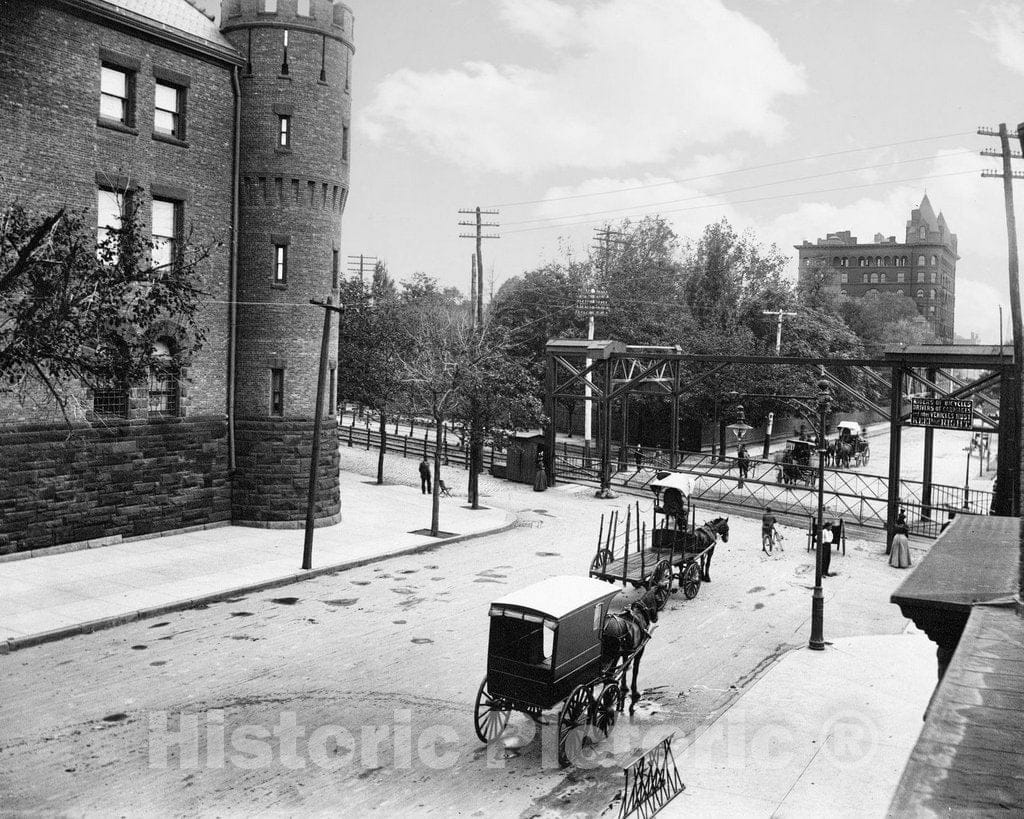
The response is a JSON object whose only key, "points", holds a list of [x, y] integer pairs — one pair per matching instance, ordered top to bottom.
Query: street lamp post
{"points": [[740, 429], [967, 475], [817, 641]]}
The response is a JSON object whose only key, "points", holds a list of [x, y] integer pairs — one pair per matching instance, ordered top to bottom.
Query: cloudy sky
{"points": [[790, 118]]}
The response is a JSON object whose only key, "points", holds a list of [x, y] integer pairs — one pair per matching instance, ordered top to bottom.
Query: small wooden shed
{"points": [[525, 453]]}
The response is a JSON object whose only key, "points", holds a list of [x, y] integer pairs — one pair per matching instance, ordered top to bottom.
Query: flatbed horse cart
{"points": [[678, 550], [545, 648]]}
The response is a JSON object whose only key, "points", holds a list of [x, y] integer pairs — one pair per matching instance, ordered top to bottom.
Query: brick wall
{"points": [[64, 486]]}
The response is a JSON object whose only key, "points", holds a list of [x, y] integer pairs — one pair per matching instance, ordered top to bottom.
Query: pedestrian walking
{"points": [[638, 455], [743, 462], [425, 477], [768, 531], [899, 554]]}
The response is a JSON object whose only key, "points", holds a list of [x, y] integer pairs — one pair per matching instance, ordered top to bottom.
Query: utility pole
{"points": [[479, 235], [357, 264], [472, 291], [778, 330], [318, 419], [1008, 475]]}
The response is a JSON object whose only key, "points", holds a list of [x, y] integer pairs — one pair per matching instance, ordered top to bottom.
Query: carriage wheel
{"points": [[867, 456], [601, 560], [691, 580], [661, 596], [606, 708], [490, 715], [572, 723]]}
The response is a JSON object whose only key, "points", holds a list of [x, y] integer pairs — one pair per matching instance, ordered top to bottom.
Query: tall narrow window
{"points": [[284, 62], [116, 94], [168, 109], [284, 130], [344, 143], [109, 213], [166, 231], [923, 233], [280, 264], [335, 265], [163, 379], [277, 392], [332, 404]]}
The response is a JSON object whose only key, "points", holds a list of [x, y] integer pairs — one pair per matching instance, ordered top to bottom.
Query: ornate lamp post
{"points": [[740, 429], [817, 641]]}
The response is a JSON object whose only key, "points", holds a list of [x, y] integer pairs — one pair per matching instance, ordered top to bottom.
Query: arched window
{"points": [[923, 233], [906, 260], [920, 260], [878, 261], [886, 261], [935, 261], [836, 262], [862, 262], [920, 276], [933, 277], [865, 278], [882, 278], [899, 292], [920, 294], [931, 294], [163, 379]]}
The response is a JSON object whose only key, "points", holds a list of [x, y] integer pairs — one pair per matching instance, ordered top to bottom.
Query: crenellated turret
{"points": [[294, 176]]}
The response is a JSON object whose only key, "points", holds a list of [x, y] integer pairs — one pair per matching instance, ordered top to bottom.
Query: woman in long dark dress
{"points": [[899, 556]]}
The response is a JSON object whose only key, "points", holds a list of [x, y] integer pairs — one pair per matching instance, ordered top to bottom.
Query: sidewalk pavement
{"points": [[54, 596], [821, 733]]}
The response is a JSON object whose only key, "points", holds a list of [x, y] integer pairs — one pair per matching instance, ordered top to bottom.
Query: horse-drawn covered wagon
{"points": [[851, 447], [794, 463], [674, 548], [555, 641]]}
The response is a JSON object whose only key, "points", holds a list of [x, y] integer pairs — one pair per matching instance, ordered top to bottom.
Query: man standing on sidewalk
{"points": [[425, 476]]}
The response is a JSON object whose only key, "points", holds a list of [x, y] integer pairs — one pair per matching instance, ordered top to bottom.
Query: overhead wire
{"points": [[745, 169], [737, 190], [628, 211]]}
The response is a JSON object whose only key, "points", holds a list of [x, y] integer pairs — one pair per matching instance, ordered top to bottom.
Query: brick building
{"points": [[236, 134], [922, 267]]}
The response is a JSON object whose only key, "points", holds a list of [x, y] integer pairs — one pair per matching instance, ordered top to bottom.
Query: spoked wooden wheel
{"points": [[601, 560], [691, 580], [606, 708], [490, 715], [572, 723]]}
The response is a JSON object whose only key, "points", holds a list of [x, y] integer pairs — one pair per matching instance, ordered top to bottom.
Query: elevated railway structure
{"points": [[611, 371]]}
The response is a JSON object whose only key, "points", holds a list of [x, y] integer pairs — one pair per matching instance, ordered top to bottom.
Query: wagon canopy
{"points": [[852, 426], [674, 480], [554, 597]]}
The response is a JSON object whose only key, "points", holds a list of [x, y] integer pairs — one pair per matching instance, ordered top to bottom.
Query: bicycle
{"points": [[772, 539]]}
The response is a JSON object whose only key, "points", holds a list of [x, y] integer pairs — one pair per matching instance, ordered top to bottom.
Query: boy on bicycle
{"points": [[768, 531]]}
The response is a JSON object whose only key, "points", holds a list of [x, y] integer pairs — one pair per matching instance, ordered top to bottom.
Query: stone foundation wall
{"points": [[271, 478], [60, 485]]}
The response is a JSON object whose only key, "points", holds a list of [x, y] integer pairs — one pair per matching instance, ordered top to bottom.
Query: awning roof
{"points": [[674, 480], [556, 597]]}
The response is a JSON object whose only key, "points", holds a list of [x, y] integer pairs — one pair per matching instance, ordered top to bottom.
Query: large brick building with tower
{"points": [[236, 135], [922, 267]]}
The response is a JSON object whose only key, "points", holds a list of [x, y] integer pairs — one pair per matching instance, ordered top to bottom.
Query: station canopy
{"points": [[555, 597]]}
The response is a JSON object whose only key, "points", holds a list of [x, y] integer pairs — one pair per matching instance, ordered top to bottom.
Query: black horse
{"points": [[705, 536], [622, 634]]}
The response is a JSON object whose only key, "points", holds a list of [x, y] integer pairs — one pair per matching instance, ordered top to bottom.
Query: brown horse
{"points": [[624, 633]]}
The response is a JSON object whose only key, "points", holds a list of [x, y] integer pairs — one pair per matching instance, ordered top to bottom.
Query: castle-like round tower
{"points": [[294, 172]]}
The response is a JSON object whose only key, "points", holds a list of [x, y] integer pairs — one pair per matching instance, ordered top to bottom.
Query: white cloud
{"points": [[1002, 25], [634, 82]]}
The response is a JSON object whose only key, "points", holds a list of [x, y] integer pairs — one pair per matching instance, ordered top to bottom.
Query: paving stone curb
{"points": [[15, 643]]}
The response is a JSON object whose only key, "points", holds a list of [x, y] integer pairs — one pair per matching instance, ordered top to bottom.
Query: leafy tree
{"points": [[74, 308], [372, 339]]}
